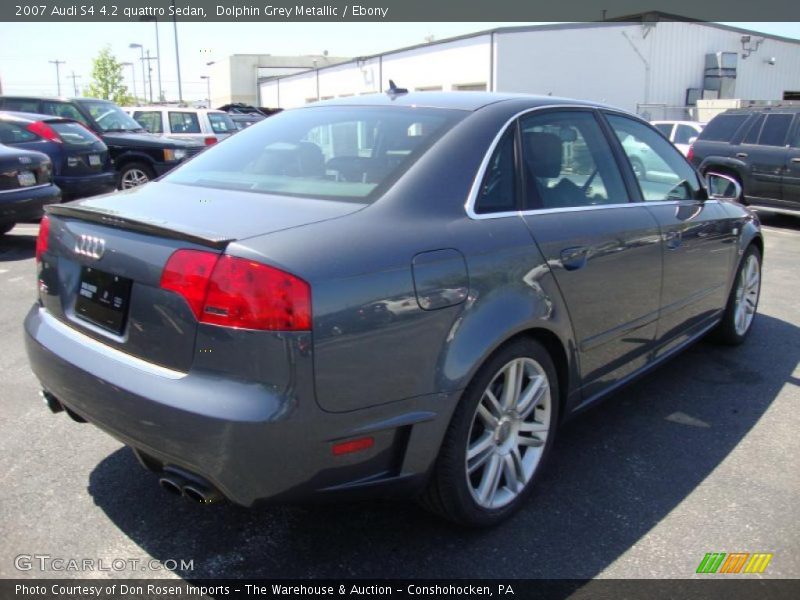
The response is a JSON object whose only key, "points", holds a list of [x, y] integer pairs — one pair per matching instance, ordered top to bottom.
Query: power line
{"points": [[58, 63]]}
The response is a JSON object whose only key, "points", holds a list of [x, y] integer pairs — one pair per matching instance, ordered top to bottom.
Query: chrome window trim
{"points": [[31, 187], [472, 198]]}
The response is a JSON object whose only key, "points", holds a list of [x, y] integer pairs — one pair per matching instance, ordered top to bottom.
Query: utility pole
{"points": [[177, 52], [148, 58], [158, 61], [58, 63], [74, 81], [144, 83]]}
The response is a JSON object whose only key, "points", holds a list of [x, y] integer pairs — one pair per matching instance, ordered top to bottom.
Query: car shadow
{"points": [[780, 221], [17, 246], [617, 470]]}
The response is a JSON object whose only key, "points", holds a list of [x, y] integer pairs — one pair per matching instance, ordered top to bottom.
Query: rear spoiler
{"points": [[119, 222]]}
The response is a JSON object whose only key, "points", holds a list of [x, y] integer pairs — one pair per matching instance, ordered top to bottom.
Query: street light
{"points": [[177, 52], [133, 78], [144, 82], [208, 88]]}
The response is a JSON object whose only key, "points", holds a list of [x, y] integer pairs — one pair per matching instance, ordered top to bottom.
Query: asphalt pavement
{"points": [[701, 456]]}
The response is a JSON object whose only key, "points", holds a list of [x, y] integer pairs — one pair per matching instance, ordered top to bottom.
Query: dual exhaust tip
{"points": [[193, 490]]}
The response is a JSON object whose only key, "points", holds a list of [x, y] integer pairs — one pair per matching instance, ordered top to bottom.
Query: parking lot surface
{"points": [[701, 456]]}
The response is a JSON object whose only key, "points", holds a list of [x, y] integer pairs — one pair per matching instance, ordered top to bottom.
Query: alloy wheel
{"points": [[747, 291]]}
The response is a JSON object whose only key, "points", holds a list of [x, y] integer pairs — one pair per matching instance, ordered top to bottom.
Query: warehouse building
{"points": [[655, 64]]}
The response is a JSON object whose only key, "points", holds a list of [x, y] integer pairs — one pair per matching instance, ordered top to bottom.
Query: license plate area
{"points": [[94, 160], [26, 178], [103, 299]]}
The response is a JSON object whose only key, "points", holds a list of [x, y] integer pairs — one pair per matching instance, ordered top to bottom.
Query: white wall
{"points": [[446, 65]]}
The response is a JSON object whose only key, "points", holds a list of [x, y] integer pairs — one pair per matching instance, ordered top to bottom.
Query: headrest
{"points": [[543, 153]]}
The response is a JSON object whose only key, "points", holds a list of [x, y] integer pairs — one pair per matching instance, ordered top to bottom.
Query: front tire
{"points": [[134, 175], [743, 301], [499, 438]]}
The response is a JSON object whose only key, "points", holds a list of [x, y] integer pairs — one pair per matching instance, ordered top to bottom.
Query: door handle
{"points": [[741, 155], [673, 239], [575, 258]]}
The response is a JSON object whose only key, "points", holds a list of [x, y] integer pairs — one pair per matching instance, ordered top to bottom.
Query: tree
{"points": [[107, 79]]}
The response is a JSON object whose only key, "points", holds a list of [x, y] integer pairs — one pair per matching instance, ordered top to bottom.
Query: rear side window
{"points": [[21, 105], [62, 109], [150, 120], [184, 122], [221, 123], [722, 127], [665, 128], [755, 129], [775, 129], [14, 133], [684, 133], [74, 134], [334, 153], [568, 162], [497, 193]]}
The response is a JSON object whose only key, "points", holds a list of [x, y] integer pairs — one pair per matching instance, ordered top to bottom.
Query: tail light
{"points": [[44, 130], [210, 140], [690, 153], [44, 235], [240, 293]]}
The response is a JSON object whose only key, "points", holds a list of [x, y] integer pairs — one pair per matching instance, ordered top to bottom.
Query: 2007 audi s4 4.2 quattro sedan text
{"points": [[397, 294]]}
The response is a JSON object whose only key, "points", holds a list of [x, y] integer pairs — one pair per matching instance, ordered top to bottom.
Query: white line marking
{"points": [[3, 271], [15, 279]]}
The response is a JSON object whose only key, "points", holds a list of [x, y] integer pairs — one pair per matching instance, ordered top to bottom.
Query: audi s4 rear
{"points": [[355, 298]]}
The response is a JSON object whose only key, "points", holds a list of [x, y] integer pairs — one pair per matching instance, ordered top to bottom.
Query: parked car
{"points": [[244, 115], [198, 124], [680, 133], [760, 148], [138, 156], [81, 163], [26, 186], [244, 323]]}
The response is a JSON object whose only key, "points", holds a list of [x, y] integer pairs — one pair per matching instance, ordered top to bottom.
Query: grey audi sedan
{"points": [[399, 294]]}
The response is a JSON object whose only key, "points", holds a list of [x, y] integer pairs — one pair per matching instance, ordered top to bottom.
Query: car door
{"points": [[765, 156], [790, 184], [699, 238], [602, 248]]}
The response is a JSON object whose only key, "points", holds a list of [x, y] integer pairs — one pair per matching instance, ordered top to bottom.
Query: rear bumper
{"points": [[87, 185], [27, 204], [249, 440]]}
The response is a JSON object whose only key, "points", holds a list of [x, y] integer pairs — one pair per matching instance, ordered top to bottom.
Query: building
{"points": [[654, 64], [235, 78]]}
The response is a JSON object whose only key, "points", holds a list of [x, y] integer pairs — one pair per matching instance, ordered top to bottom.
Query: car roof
{"points": [[468, 101], [175, 108], [748, 110], [14, 115], [676, 121]]}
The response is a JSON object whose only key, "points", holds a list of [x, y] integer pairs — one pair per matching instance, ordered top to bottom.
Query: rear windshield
{"points": [[221, 123], [722, 127], [74, 134], [341, 153]]}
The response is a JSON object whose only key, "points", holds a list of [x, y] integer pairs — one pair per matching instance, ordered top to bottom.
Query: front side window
{"points": [[21, 105], [62, 109], [150, 120], [184, 122], [221, 123], [722, 127], [665, 128], [775, 129], [754, 131], [684, 134], [330, 152], [568, 162], [660, 169], [497, 192]]}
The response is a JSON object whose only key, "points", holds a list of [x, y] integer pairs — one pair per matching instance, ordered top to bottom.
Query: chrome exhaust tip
{"points": [[51, 401], [171, 486], [201, 494]]}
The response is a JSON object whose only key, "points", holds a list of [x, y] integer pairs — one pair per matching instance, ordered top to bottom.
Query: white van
{"points": [[208, 125]]}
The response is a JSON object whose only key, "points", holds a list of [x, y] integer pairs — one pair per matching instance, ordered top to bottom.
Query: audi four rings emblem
{"points": [[87, 245]]}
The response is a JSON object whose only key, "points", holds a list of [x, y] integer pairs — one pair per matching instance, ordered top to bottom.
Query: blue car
{"points": [[81, 163]]}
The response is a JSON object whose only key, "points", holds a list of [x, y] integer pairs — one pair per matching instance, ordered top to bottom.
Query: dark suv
{"points": [[760, 147], [138, 156]]}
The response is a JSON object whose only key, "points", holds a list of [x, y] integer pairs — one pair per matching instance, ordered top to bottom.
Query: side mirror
{"points": [[692, 140], [722, 187]]}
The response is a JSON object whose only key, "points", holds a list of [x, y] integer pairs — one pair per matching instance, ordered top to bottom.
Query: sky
{"points": [[29, 72]]}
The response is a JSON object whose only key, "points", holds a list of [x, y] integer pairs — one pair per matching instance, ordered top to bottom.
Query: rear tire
{"points": [[134, 174], [6, 227], [740, 312], [499, 438]]}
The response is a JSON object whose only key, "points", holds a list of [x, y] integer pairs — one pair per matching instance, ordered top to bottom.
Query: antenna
{"points": [[394, 90]]}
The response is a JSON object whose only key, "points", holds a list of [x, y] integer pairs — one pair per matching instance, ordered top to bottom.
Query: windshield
{"points": [[110, 117], [221, 123], [342, 153]]}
